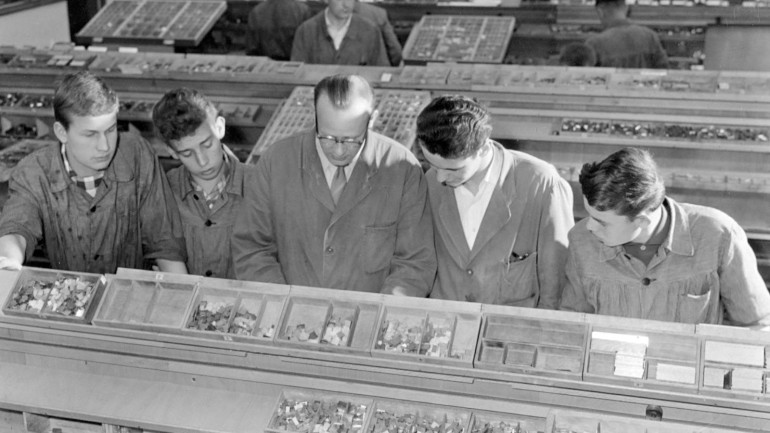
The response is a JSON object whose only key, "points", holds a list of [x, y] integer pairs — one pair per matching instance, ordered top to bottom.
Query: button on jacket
{"points": [[362, 44], [627, 45], [132, 216], [207, 232], [378, 238], [521, 247], [704, 266]]}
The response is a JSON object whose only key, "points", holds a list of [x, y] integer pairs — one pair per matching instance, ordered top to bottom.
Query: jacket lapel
{"points": [[313, 174], [448, 217]]}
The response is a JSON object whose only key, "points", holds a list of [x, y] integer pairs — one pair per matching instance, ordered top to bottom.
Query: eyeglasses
{"points": [[328, 140]]}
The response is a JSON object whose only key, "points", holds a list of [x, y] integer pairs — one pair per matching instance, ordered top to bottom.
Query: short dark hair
{"points": [[610, 3], [577, 54], [339, 89], [82, 94], [180, 112], [453, 126], [626, 182]]}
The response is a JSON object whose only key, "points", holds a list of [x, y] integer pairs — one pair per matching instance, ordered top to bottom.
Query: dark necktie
{"points": [[338, 184]]}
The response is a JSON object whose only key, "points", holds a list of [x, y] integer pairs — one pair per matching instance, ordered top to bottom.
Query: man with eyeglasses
{"points": [[340, 207]]}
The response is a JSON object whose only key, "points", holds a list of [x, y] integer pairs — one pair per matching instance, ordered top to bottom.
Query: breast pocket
{"points": [[380, 244], [519, 286], [694, 300]]}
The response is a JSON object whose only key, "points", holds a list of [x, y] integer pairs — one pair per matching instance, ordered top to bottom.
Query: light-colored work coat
{"points": [[378, 238], [520, 251]]}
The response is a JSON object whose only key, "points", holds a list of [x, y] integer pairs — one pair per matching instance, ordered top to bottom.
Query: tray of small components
{"points": [[171, 22], [448, 38], [398, 110], [662, 131], [13, 153], [56, 295], [147, 305], [236, 310], [345, 322], [430, 333], [532, 346], [644, 359], [736, 368], [316, 411], [402, 416], [567, 421], [491, 422]]}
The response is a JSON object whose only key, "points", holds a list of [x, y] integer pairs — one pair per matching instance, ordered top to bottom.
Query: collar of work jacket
{"points": [[119, 170], [234, 179], [357, 187], [501, 211], [678, 241]]}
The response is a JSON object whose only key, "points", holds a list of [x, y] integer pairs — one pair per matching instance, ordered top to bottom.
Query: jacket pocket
{"points": [[380, 244], [519, 286]]}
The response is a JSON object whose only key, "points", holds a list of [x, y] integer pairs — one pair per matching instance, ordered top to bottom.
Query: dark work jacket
{"points": [[272, 24], [362, 44], [627, 45], [132, 217], [207, 232]]}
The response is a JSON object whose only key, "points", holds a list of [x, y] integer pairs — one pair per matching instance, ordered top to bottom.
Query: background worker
{"points": [[624, 44]]}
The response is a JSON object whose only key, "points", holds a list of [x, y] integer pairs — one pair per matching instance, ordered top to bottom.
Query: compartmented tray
{"points": [[55, 295], [147, 305], [236, 311], [328, 324], [431, 334], [532, 346], [645, 359], [735, 368], [311, 411], [401, 416], [565, 421], [491, 422]]}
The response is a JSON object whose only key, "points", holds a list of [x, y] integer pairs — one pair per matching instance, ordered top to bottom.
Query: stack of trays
{"points": [[56, 295], [532, 346], [644, 359]]}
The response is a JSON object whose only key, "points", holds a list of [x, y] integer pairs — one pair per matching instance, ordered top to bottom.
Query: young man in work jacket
{"points": [[209, 186], [100, 199], [340, 207], [501, 217], [641, 254]]}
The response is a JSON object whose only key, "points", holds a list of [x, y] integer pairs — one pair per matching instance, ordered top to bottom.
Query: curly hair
{"points": [[180, 112], [453, 126]]}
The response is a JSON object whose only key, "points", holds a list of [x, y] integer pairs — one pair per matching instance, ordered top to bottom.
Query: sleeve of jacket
{"points": [[302, 44], [392, 45], [379, 55], [659, 57], [21, 213], [159, 220], [556, 220], [254, 247], [413, 267], [574, 296]]}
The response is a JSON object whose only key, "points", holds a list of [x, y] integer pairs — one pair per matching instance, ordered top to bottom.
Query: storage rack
{"points": [[444, 377]]}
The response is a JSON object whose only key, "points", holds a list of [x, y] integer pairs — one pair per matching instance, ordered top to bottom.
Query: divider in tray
{"points": [[53, 294], [145, 304], [328, 324], [433, 336], [529, 345], [640, 358], [736, 369], [314, 411], [396, 416], [491, 422]]}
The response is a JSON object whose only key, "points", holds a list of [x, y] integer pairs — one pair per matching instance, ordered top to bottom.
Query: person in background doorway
{"points": [[271, 27], [338, 36], [624, 44], [209, 185], [99, 199]]}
